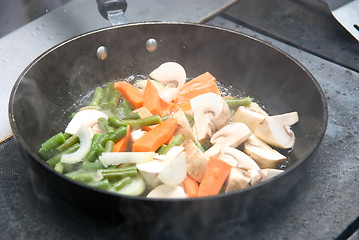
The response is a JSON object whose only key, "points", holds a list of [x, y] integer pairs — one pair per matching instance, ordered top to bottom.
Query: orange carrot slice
{"points": [[204, 83], [130, 93], [152, 100], [144, 113], [153, 139], [121, 145], [215, 174], [190, 186]]}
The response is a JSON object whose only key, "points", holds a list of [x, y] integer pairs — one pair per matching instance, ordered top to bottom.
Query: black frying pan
{"points": [[61, 80]]}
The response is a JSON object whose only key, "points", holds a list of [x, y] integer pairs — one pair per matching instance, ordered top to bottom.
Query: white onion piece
{"points": [[86, 118], [85, 145], [117, 158], [175, 170], [135, 188], [165, 191]]}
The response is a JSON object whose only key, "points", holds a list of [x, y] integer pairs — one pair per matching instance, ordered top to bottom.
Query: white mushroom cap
{"points": [[170, 74], [256, 108], [210, 113], [249, 117], [183, 126], [275, 130], [231, 135], [263, 154], [237, 158], [237, 179], [165, 191]]}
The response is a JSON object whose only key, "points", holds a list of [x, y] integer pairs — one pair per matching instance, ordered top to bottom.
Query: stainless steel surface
{"points": [[347, 14]]}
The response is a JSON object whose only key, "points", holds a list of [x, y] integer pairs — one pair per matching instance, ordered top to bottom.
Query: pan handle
{"points": [[104, 6]]}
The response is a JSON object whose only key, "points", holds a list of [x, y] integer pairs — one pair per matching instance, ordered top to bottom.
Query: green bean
{"points": [[107, 92], [97, 96], [114, 98], [236, 102], [127, 107], [72, 115], [132, 116], [164, 118], [190, 119], [103, 123], [135, 124], [117, 134], [66, 135], [96, 140], [176, 141], [53, 142], [68, 142], [109, 146], [199, 146], [99, 150], [161, 150], [47, 154], [55, 159], [92, 166], [59, 167], [121, 169], [73, 173], [119, 174], [84, 177], [123, 182], [103, 184]]}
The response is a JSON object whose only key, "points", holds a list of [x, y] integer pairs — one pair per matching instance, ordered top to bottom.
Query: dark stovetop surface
{"points": [[324, 205]]}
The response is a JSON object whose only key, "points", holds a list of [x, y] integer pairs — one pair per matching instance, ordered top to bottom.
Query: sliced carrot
{"points": [[204, 83], [130, 93], [152, 100], [184, 104], [143, 111], [153, 139], [169, 140], [121, 145], [214, 177], [190, 186]]}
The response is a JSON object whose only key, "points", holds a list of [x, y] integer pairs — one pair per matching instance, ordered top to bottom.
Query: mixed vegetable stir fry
{"points": [[165, 137]]}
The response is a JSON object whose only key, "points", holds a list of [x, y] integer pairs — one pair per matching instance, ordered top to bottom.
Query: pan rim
{"points": [[258, 186]]}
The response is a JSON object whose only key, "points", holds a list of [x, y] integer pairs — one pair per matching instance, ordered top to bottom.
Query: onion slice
{"points": [[85, 145], [117, 158]]}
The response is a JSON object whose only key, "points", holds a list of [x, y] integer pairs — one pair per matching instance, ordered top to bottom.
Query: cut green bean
{"points": [[107, 92], [97, 96], [114, 98], [236, 102], [127, 107], [132, 116], [190, 119], [103, 124], [135, 124], [117, 134], [66, 135], [96, 140], [176, 141], [53, 142], [68, 142], [109, 146], [199, 146], [99, 150], [161, 150], [46, 155], [55, 159], [92, 166], [59, 167], [121, 169], [119, 174], [83, 177], [123, 182], [103, 184]]}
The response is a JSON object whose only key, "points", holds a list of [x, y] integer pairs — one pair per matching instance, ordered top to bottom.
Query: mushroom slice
{"points": [[170, 74], [256, 108], [210, 113], [249, 117], [87, 118], [183, 126], [275, 130], [231, 135], [263, 154], [237, 158], [196, 161], [262, 175], [237, 179], [165, 191]]}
